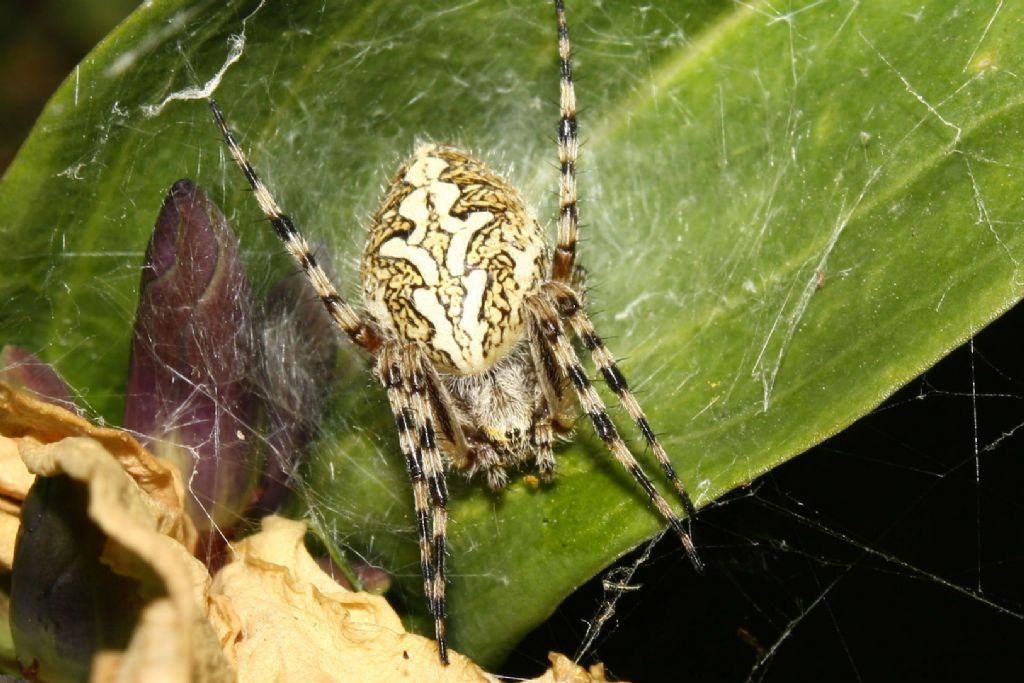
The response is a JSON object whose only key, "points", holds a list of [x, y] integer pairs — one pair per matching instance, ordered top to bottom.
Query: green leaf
{"points": [[791, 209]]}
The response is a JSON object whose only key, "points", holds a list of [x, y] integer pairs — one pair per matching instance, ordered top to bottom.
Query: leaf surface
{"points": [[790, 210]]}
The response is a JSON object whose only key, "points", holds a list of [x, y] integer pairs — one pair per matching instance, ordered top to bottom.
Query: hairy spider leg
{"points": [[568, 149], [563, 270], [568, 306], [544, 314], [359, 330], [405, 382], [550, 384], [451, 428], [543, 440], [433, 469]]}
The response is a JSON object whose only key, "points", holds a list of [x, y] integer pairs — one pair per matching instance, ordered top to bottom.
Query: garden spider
{"points": [[469, 328]]}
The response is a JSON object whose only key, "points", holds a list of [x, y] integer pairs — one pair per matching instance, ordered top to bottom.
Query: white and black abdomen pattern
{"points": [[450, 257]]}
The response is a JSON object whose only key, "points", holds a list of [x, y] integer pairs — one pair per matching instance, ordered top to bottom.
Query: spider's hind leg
{"points": [[572, 310], [549, 311], [542, 440]]}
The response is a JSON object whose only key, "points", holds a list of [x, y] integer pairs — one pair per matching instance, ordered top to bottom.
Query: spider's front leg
{"points": [[362, 331], [406, 379]]}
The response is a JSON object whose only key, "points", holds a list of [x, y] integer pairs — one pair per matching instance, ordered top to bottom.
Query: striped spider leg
{"points": [[570, 306], [551, 310], [469, 329], [399, 368]]}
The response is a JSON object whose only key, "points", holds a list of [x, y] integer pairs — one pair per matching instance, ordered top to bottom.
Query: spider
{"points": [[468, 317]]}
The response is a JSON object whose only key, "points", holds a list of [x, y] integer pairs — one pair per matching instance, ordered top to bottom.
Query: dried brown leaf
{"points": [[136, 500], [270, 614], [294, 622], [564, 670]]}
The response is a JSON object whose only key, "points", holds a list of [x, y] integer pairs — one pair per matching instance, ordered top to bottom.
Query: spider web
{"points": [[887, 552], [863, 557]]}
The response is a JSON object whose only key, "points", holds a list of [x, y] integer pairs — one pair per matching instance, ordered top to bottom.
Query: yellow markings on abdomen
{"points": [[454, 251]]}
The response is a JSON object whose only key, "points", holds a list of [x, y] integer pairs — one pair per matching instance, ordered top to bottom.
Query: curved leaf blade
{"points": [[789, 214]]}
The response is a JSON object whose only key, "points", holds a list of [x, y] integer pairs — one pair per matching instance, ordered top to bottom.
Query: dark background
{"points": [[40, 43], [839, 559], [849, 563]]}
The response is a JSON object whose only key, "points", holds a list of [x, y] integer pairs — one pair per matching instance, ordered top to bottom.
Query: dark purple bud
{"points": [[25, 371], [190, 394], [370, 579], [373, 579], [66, 605]]}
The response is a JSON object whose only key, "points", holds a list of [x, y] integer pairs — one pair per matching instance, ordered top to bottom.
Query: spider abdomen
{"points": [[450, 257]]}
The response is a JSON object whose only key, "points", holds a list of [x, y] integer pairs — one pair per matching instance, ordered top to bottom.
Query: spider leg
{"points": [[568, 150], [570, 308], [544, 314], [351, 323], [398, 379], [419, 382], [549, 382], [449, 419], [543, 438]]}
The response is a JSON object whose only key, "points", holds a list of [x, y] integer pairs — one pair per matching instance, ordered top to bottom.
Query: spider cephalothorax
{"points": [[470, 329]]}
